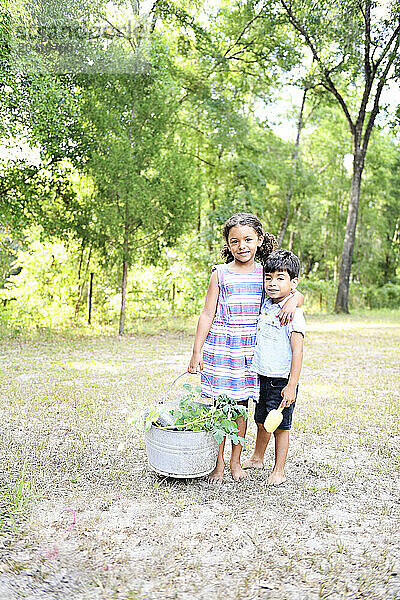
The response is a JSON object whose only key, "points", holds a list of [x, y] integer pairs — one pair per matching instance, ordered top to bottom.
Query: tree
{"points": [[353, 48], [115, 126], [295, 156], [143, 183]]}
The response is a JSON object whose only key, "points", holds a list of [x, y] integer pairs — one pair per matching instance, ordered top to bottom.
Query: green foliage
{"points": [[144, 165], [142, 186], [42, 196], [8, 256], [44, 292], [319, 294], [384, 296], [219, 418], [16, 497]]}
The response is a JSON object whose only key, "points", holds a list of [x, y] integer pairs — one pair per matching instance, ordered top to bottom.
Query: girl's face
{"points": [[243, 242]]}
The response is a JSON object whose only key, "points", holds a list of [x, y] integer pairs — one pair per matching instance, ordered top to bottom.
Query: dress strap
{"points": [[220, 272]]}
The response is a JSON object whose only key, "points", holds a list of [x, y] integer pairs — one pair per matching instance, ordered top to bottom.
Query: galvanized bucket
{"points": [[181, 454]]}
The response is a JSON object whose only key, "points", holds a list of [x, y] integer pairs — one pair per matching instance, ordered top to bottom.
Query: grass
{"points": [[16, 498], [84, 518]]}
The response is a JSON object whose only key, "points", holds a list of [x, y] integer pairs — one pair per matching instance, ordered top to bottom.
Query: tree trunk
{"points": [[295, 155], [199, 217], [291, 241], [81, 259], [124, 272], [82, 285], [342, 297], [90, 298], [123, 299]]}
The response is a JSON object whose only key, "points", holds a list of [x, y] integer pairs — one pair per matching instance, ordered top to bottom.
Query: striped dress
{"points": [[229, 347]]}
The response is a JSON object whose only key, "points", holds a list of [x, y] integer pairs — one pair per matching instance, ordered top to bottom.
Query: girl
{"points": [[228, 323]]}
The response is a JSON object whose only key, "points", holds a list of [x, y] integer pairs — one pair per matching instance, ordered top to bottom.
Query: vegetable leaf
{"points": [[192, 414]]}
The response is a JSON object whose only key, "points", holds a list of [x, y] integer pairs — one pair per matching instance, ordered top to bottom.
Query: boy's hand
{"points": [[287, 311], [195, 362], [288, 394]]}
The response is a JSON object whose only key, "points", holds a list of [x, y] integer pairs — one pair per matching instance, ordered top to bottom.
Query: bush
{"points": [[44, 291], [319, 295], [383, 296]]}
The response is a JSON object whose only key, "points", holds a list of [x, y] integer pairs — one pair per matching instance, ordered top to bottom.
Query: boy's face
{"points": [[278, 285]]}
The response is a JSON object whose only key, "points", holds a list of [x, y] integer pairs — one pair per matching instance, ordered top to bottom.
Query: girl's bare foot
{"points": [[253, 463], [237, 472], [217, 475], [276, 478]]}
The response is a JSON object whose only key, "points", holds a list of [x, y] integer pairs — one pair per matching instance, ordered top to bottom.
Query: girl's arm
{"points": [[287, 311], [204, 323]]}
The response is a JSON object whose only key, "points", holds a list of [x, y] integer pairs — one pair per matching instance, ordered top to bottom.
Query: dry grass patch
{"points": [[95, 523]]}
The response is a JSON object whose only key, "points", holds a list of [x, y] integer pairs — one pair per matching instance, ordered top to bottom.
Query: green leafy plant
{"points": [[190, 414], [16, 497]]}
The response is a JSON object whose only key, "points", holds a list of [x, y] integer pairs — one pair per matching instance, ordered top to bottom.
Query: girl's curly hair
{"points": [[269, 242]]}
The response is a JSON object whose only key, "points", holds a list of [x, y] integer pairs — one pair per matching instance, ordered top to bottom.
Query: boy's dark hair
{"points": [[269, 243], [282, 260]]}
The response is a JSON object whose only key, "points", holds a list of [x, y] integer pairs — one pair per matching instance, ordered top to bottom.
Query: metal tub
{"points": [[181, 454]]}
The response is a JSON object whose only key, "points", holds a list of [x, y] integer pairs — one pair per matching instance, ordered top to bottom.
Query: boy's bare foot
{"points": [[253, 463], [237, 472], [217, 475], [276, 478]]}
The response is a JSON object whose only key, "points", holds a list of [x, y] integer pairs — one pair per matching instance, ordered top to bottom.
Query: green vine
{"points": [[218, 417]]}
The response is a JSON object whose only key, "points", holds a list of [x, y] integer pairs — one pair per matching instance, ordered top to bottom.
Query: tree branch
{"points": [[154, 18], [245, 28], [121, 33], [395, 34], [367, 41], [246, 45], [248, 62], [369, 73], [381, 84], [330, 86], [186, 95], [185, 124], [198, 158]]}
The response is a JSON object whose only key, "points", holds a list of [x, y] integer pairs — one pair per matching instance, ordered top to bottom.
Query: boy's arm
{"points": [[287, 311], [289, 392]]}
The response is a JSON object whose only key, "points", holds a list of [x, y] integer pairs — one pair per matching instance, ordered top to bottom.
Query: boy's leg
{"points": [[260, 413], [281, 450], [256, 460], [236, 467], [218, 474]]}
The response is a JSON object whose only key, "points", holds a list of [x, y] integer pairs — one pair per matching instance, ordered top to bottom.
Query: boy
{"points": [[277, 359]]}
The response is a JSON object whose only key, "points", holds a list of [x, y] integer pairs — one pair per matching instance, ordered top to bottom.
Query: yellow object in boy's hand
{"points": [[273, 419]]}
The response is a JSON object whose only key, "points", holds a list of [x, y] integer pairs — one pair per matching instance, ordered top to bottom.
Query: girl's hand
{"points": [[286, 313], [195, 362]]}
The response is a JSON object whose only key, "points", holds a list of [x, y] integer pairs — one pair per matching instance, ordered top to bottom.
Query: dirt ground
{"points": [[84, 518]]}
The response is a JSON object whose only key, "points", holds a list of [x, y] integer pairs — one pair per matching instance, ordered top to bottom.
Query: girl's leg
{"points": [[281, 449], [256, 461], [236, 468], [218, 474]]}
